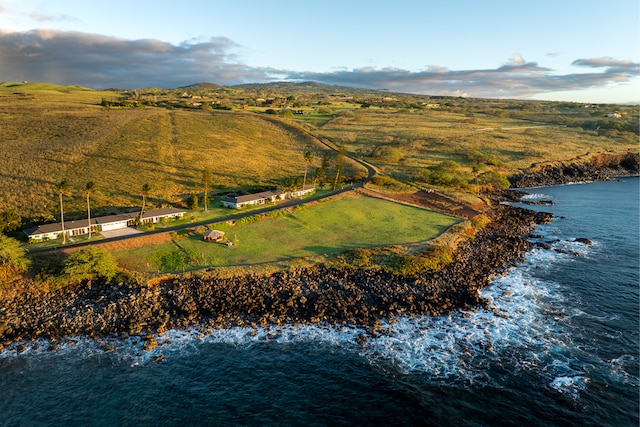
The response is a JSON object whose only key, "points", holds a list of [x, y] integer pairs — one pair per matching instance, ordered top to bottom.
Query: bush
{"points": [[389, 154], [445, 174], [493, 179], [389, 184], [192, 201], [246, 220], [9, 221], [13, 258], [90, 264]]}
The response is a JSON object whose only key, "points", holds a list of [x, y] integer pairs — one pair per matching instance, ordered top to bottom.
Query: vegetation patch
{"points": [[351, 222]]}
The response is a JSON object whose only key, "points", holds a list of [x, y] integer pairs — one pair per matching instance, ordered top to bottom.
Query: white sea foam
{"points": [[536, 196], [524, 328], [570, 386]]}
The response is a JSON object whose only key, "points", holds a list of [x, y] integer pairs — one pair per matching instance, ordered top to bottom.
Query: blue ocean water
{"points": [[561, 347]]}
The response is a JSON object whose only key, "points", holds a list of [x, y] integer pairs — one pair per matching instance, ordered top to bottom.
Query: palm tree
{"points": [[308, 158], [339, 164], [206, 183], [146, 188], [63, 189], [88, 189]]}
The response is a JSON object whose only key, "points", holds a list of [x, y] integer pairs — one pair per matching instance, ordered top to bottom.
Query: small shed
{"points": [[214, 236]]}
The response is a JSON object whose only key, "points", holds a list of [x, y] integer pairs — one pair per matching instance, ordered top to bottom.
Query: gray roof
{"points": [[256, 196], [161, 212], [82, 223], [57, 227]]}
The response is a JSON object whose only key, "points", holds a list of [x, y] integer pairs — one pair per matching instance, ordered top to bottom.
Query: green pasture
{"points": [[323, 229]]}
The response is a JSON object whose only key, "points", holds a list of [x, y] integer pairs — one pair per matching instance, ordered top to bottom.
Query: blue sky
{"points": [[557, 50]]}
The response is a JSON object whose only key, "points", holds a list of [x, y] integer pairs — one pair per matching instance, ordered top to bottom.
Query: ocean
{"points": [[560, 347]]}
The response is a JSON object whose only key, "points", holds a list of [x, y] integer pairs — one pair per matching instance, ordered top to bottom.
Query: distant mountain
{"points": [[200, 87], [307, 88]]}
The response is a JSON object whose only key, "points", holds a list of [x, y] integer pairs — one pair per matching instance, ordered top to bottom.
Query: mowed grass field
{"points": [[326, 228]]}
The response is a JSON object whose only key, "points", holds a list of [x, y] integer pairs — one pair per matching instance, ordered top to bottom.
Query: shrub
{"points": [[445, 174], [493, 179], [192, 201], [246, 220], [9, 221], [13, 258], [90, 264]]}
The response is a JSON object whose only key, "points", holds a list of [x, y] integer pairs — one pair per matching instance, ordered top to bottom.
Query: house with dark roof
{"points": [[295, 194], [270, 196], [98, 224]]}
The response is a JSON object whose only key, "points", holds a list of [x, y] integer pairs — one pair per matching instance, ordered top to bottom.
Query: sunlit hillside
{"points": [[48, 135], [254, 136]]}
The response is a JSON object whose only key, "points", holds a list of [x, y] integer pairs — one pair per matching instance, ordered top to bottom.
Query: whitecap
{"points": [[535, 196], [570, 386]]}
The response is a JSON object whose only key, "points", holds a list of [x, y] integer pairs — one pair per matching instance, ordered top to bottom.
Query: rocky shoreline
{"points": [[601, 167], [319, 294]]}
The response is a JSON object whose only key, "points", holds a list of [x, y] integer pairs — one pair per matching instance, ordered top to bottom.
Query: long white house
{"points": [[263, 197], [98, 224]]}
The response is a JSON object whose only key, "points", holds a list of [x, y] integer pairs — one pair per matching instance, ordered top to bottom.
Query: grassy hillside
{"points": [[47, 136], [167, 137], [412, 144]]}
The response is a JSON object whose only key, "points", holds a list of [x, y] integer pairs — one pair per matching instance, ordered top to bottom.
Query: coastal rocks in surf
{"points": [[600, 167], [319, 294]]}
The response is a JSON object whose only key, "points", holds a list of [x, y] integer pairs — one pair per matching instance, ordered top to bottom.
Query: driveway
{"points": [[129, 231]]}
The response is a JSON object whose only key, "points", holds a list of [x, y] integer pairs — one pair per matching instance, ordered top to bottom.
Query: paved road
{"points": [[371, 172]]}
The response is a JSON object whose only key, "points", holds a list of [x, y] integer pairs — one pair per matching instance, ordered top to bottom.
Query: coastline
{"points": [[600, 167], [314, 295]]}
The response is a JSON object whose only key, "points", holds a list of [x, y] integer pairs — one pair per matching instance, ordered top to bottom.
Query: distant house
{"points": [[295, 194], [264, 197], [261, 198], [156, 215], [98, 224], [214, 236]]}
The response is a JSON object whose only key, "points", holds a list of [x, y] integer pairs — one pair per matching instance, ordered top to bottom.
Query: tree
{"points": [[308, 158], [339, 164], [321, 172], [493, 179], [207, 181], [146, 189], [63, 190], [88, 190], [192, 201], [9, 221], [13, 256], [90, 264]]}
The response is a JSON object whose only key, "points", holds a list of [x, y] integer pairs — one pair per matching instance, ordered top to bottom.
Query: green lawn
{"points": [[326, 228]]}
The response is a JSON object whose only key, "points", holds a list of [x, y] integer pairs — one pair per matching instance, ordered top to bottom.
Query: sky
{"points": [[560, 50]]}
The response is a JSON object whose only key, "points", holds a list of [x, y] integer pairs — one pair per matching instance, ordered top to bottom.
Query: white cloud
{"points": [[517, 59], [99, 61]]}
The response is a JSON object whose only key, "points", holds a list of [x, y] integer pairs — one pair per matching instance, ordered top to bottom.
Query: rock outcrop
{"points": [[600, 167], [309, 295]]}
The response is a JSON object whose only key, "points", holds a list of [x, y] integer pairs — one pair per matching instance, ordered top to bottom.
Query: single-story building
{"points": [[308, 189], [270, 196], [261, 198], [156, 215], [116, 222], [98, 224], [54, 231], [214, 236]]}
